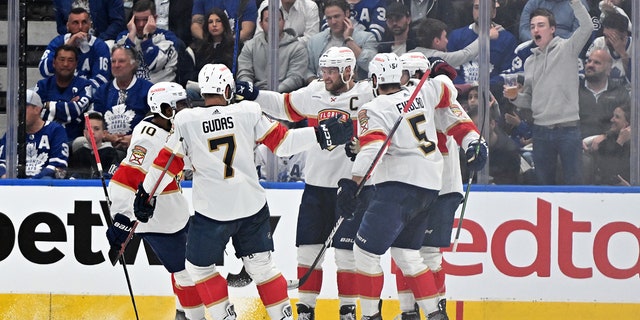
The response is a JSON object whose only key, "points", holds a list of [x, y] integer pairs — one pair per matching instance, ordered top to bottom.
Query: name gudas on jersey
{"points": [[217, 124]]}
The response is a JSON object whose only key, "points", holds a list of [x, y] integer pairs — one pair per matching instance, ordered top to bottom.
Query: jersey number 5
{"points": [[427, 146], [230, 150]]}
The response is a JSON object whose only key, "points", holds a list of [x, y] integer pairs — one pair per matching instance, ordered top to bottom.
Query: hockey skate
{"points": [[305, 312], [348, 312], [231, 313], [287, 314], [441, 314], [180, 315], [410, 315], [376, 316]]}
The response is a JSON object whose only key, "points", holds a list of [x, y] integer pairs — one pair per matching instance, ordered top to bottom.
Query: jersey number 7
{"points": [[230, 150]]}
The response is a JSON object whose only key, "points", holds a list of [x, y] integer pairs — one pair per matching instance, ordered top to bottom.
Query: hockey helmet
{"points": [[338, 57], [413, 62], [385, 68], [216, 79], [165, 92]]}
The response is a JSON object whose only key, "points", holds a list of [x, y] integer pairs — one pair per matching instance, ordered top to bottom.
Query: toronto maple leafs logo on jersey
{"points": [[119, 119], [35, 160]]}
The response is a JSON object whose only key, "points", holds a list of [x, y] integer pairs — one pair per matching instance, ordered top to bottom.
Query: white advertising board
{"points": [[515, 246]]}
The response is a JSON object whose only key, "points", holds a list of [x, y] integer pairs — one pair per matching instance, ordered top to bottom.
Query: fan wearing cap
{"points": [[399, 37], [46, 144]]}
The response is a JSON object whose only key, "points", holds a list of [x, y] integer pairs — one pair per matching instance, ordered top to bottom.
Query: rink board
{"points": [[538, 253], [41, 306]]}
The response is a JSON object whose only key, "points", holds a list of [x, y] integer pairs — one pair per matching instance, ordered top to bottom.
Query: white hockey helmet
{"points": [[338, 57], [414, 61], [385, 68], [216, 79], [165, 92]]}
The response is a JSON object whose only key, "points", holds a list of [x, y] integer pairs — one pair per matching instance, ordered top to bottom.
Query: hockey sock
{"points": [[346, 276], [439, 277], [347, 287], [371, 288], [424, 290], [309, 291], [273, 294], [215, 295], [405, 296], [189, 299]]}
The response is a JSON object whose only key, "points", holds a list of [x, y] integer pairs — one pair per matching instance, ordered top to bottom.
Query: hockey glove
{"points": [[439, 66], [246, 91], [334, 131], [352, 148], [477, 154], [346, 201], [143, 206], [119, 231]]}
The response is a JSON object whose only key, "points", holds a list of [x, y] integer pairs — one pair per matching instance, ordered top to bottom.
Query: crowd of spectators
{"points": [[572, 58]]}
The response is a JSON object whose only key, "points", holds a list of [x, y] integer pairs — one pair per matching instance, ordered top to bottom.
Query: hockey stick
{"points": [[174, 150], [467, 189], [106, 207], [293, 284]]}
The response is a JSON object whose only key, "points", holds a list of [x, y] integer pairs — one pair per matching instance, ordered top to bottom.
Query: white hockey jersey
{"points": [[416, 137], [219, 142], [412, 156], [323, 168], [172, 210]]}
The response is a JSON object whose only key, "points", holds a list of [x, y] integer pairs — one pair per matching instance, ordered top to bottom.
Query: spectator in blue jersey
{"points": [[436, 9], [366, 15], [107, 16], [242, 16], [300, 16], [566, 20], [341, 33], [399, 37], [617, 41], [157, 49], [501, 49], [93, 53], [253, 64], [549, 90], [66, 96], [122, 102], [46, 144], [82, 162]]}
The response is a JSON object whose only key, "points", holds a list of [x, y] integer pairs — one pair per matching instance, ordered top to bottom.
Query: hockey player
{"points": [[336, 93], [406, 181], [228, 199], [441, 213], [166, 233]]}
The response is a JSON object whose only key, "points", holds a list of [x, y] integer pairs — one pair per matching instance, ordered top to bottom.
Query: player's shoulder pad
{"points": [[318, 83], [363, 84], [249, 105]]}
